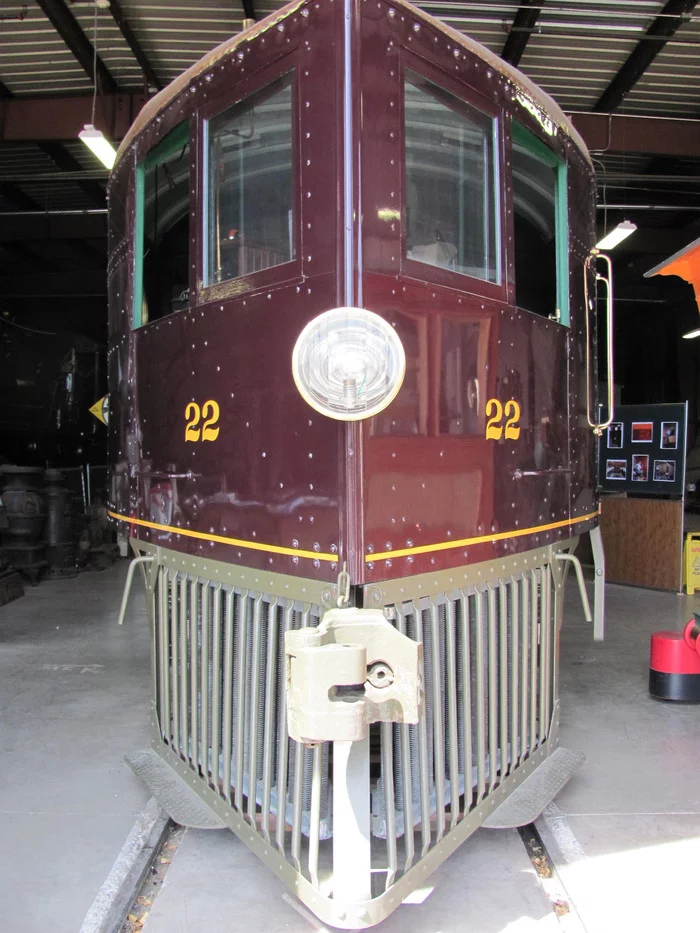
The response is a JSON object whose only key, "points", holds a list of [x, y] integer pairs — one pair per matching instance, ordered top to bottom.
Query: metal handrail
{"points": [[600, 426], [142, 559]]}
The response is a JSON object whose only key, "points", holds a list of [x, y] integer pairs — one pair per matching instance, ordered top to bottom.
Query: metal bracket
{"points": [[136, 562], [581, 585], [599, 595], [353, 669]]}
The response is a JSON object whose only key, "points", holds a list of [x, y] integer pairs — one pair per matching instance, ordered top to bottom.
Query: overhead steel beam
{"points": [[249, 9], [672, 17], [68, 29], [520, 31], [133, 43], [28, 119], [653, 135], [68, 163], [17, 198], [15, 228], [88, 253], [23, 254], [91, 282]]}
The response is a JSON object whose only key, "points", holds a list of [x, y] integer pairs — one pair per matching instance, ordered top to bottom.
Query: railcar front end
{"points": [[349, 386]]}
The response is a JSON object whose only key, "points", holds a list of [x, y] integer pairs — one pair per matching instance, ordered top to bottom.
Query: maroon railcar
{"points": [[360, 158]]}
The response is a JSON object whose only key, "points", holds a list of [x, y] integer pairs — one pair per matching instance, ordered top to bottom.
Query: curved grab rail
{"points": [[599, 426], [137, 561]]}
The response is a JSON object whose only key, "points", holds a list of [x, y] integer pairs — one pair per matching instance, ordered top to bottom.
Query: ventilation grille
{"points": [[489, 663], [220, 699]]}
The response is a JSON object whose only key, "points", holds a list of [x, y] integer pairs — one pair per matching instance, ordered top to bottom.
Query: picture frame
{"points": [[642, 432], [616, 435], [669, 435], [640, 468], [616, 470], [664, 471]]}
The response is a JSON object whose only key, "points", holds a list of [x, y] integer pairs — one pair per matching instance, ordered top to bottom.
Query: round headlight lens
{"points": [[348, 363]]}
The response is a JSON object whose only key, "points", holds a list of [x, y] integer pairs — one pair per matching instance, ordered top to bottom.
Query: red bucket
{"points": [[674, 665]]}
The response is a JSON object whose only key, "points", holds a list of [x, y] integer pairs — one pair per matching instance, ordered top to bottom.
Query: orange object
{"points": [[685, 263]]}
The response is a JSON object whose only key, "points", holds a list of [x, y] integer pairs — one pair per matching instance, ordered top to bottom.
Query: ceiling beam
{"points": [[249, 9], [672, 17], [521, 29], [69, 30], [130, 38], [27, 119], [30, 119], [653, 135], [68, 163], [17, 198], [46, 226], [88, 253], [25, 255], [91, 282]]}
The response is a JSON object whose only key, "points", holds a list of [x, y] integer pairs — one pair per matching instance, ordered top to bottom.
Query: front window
{"points": [[249, 183], [451, 190], [539, 221], [162, 229]]}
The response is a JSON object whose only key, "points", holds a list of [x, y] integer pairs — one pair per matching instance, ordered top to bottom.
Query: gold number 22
{"points": [[210, 412], [494, 426]]}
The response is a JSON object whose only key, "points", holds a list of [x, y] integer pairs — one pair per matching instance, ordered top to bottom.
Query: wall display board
{"points": [[642, 453]]}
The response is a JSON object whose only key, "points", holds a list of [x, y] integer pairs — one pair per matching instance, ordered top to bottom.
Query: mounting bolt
{"points": [[380, 675]]}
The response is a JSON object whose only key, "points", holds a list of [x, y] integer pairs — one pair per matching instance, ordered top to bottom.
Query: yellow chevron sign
{"points": [[101, 409]]}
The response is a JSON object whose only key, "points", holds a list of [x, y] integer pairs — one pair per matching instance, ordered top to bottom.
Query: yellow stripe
{"points": [[234, 542], [464, 542], [333, 558]]}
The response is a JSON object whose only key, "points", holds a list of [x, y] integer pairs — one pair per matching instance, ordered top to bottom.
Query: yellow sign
{"points": [[101, 409]]}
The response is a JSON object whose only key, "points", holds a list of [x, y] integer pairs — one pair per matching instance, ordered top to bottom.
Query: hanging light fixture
{"points": [[93, 138], [620, 233]]}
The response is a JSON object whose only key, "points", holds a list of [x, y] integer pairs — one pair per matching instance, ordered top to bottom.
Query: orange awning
{"points": [[685, 264]]}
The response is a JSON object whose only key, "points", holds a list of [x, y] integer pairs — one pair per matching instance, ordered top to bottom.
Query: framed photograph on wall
{"points": [[642, 432], [616, 435], [669, 435], [640, 468], [616, 469], [664, 471]]}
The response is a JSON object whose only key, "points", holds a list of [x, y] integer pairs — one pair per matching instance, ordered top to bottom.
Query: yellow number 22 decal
{"points": [[494, 412], [193, 413], [494, 425]]}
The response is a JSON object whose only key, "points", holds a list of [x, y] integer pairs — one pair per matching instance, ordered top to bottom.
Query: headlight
{"points": [[348, 363]]}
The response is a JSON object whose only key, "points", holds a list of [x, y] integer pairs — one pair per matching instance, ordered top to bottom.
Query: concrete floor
{"points": [[74, 694], [624, 834]]}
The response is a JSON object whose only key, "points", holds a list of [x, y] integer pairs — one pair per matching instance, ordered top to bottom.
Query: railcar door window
{"points": [[451, 182], [249, 203], [540, 227], [162, 229]]}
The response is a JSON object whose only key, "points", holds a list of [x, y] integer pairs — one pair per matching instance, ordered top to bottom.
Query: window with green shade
{"points": [[451, 182], [249, 201], [540, 227], [162, 229]]}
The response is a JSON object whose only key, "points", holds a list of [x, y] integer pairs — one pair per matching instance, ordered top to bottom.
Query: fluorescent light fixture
{"points": [[96, 141], [620, 233], [691, 334]]}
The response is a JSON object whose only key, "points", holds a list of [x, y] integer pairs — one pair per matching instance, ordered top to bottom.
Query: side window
{"points": [[451, 182], [249, 201], [540, 227], [162, 229]]}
